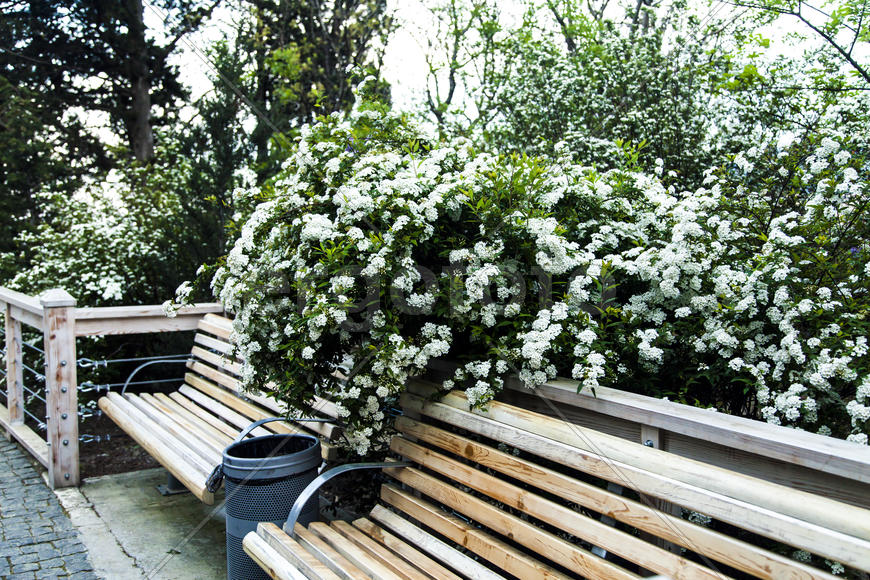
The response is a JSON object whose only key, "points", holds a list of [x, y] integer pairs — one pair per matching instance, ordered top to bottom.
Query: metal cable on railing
{"points": [[33, 347], [86, 363], [39, 376], [88, 386], [33, 394], [87, 413], [39, 423], [88, 438]]}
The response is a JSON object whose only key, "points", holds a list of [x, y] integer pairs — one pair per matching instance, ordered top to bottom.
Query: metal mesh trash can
{"points": [[263, 477]]}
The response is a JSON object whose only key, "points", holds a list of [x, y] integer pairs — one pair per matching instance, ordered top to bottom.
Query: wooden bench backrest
{"points": [[213, 382], [538, 497]]}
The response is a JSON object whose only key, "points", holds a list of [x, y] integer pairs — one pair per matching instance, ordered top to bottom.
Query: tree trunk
{"points": [[141, 134]]}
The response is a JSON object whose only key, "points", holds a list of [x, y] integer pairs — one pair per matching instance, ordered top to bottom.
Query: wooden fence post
{"points": [[14, 371], [62, 416]]}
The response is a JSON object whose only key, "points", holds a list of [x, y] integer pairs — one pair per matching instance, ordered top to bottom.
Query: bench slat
{"points": [[216, 325], [207, 341], [221, 362], [233, 384], [172, 406], [328, 408], [249, 410], [201, 413], [235, 419], [196, 428], [327, 430], [158, 432], [201, 448], [175, 462], [803, 506], [756, 518], [593, 531], [432, 545], [486, 545], [720, 547], [405, 550], [293, 552], [379, 552], [328, 555], [359, 557], [505, 557], [269, 559]]}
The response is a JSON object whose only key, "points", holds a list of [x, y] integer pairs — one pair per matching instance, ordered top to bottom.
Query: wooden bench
{"points": [[187, 430], [510, 492]]}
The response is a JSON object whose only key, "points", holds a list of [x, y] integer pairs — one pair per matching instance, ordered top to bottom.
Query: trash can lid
{"points": [[271, 456]]}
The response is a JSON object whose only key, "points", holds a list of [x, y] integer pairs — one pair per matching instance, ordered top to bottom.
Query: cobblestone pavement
{"points": [[37, 539]]}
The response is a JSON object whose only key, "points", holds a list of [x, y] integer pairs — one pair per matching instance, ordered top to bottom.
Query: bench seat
{"points": [[186, 431], [512, 493]]}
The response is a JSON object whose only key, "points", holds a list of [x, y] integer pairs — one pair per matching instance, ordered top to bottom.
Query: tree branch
{"points": [[189, 25], [858, 28], [569, 40], [847, 55]]}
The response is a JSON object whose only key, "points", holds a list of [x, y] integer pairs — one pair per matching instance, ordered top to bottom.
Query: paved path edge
{"points": [[106, 555]]}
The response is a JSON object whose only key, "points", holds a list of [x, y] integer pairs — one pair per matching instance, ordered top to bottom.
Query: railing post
{"points": [[14, 371], [62, 417]]}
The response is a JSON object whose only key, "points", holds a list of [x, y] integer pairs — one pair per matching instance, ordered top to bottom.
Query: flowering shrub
{"points": [[120, 239], [378, 249], [755, 290]]}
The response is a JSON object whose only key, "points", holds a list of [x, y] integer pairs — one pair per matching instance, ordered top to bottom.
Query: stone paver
{"points": [[37, 539]]}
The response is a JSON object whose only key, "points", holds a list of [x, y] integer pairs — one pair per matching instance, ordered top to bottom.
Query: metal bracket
{"points": [[173, 486], [312, 488]]}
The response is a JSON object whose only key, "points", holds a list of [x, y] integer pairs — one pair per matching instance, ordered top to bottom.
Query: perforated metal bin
{"points": [[263, 477]]}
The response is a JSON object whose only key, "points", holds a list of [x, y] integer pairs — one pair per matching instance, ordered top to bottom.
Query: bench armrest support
{"points": [[149, 363], [256, 424], [313, 487]]}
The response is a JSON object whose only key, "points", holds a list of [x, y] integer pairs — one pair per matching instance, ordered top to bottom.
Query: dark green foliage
{"points": [[303, 52], [610, 88], [218, 147]]}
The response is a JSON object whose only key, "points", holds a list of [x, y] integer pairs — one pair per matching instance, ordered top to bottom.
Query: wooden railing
{"points": [[55, 315]]}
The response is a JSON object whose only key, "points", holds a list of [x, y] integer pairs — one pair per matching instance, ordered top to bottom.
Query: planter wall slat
{"points": [[836, 468]]}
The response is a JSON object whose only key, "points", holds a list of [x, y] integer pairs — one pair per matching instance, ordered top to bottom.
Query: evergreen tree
{"points": [[98, 56], [64, 67], [219, 148]]}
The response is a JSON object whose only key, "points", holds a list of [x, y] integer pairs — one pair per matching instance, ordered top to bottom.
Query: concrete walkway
{"points": [[113, 527], [173, 537], [37, 539]]}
